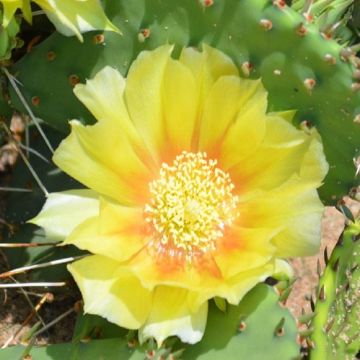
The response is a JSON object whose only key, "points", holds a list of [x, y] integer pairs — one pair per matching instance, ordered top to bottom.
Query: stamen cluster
{"points": [[192, 203]]}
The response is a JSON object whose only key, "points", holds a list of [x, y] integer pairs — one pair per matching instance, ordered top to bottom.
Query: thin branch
{"points": [[38, 12], [27, 136], [30, 150], [26, 161], [11, 189], [28, 245], [39, 266], [33, 284], [31, 293], [26, 296], [54, 322], [46, 327]]}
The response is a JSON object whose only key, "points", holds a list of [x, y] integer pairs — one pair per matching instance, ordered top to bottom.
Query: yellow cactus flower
{"points": [[70, 17], [195, 191]]}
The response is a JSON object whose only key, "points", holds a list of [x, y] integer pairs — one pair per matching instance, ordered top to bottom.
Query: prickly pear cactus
{"points": [[301, 67], [336, 323]]}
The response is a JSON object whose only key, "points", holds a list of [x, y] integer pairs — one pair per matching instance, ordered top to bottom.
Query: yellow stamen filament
{"points": [[192, 203]]}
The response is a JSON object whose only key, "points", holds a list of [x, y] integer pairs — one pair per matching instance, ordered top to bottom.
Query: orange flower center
{"points": [[192, 202]]}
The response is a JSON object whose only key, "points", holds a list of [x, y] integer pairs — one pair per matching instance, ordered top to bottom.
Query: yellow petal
{"points": [[10, 8], [26, 10], [73, 17], [207, 67], [144, 86], [104, 97], [227, 97], [179, 101], [287, 115], [248, 129], [281, 134], [284, 152], [103, 160], [314, 166], [296, 208], [64, 211], [114, 217], [303, 231], [116, 233], [250, 249], [155, 269], [202, 278], [240, 284], [234, 288], [110, 292], [171, 316]]}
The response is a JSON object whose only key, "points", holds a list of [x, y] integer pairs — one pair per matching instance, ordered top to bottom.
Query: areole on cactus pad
{"points": [[195, 191]]}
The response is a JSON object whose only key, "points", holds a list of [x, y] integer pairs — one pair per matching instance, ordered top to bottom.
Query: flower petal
{"points": [[10, 8], [26, 10], [73, 17], [207, 67], [144, 86], [103, 95], [227, 97], [180, 107], [248, 129], [281, 134], [285, 151], [103, 159], [314, 166], [296, 208], [64, 211], [303, 231], [116, 233], [250, 249], [155, 269], [202, 278], [240, 284], [234, 288], [111, 292], [171, 316]]}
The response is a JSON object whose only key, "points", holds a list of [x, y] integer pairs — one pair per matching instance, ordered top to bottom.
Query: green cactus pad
{"points": [[300, 68], [259, 328]]}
